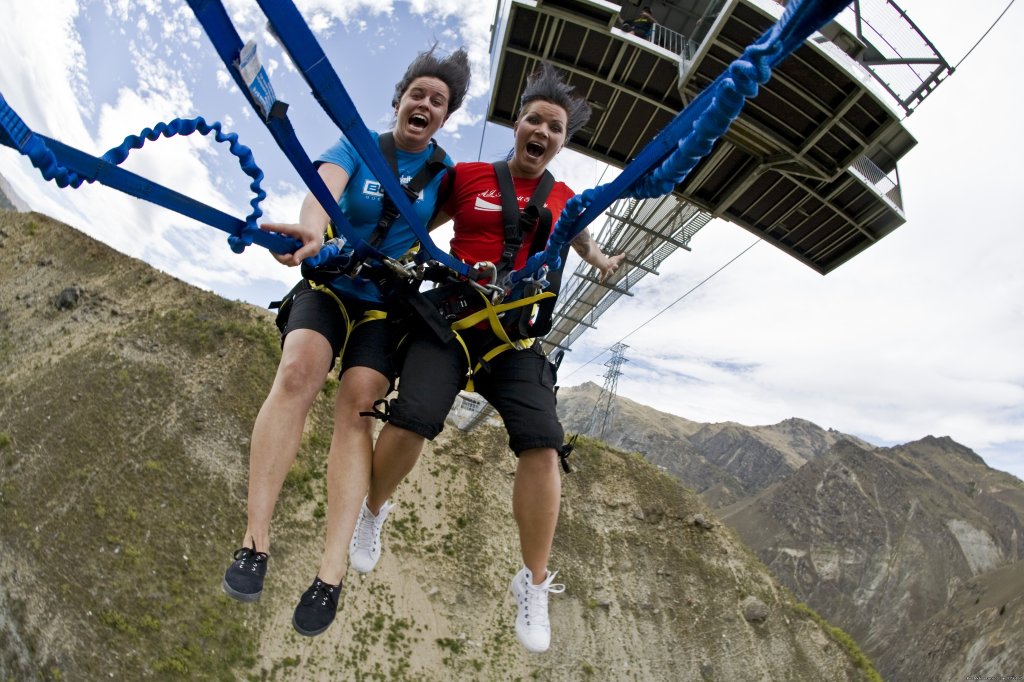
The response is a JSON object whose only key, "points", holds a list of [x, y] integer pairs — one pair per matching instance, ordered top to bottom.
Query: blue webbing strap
{"points": [[215, 21], [301, 45], [674, 152], [68, 166]]}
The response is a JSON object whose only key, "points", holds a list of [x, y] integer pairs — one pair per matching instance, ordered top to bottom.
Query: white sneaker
{"points": [[364, 549], [532, 626]]}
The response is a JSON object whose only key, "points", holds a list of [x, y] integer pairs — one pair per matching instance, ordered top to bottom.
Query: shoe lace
{"points": [[366, 531], [247, 554], [323, 593], [537, 600]]}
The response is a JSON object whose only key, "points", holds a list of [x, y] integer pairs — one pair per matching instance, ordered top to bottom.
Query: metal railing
{"points": [[674, 42], [894, 50], [883, 183], [648, 231]]}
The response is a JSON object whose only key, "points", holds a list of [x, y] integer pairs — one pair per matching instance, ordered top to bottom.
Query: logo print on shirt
{"points": [[372, 188], [482, 205]]}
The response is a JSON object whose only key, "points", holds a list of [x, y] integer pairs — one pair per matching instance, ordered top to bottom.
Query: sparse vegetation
{"points": [[125, 445], [859, 659]]}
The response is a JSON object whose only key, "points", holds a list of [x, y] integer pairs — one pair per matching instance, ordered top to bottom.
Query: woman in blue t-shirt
{"points": [[337, 314]]}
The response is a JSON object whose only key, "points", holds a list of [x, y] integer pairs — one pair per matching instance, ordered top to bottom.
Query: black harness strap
{"points": [[388, 212], [517, 223], [383, 412], [564, 452]]}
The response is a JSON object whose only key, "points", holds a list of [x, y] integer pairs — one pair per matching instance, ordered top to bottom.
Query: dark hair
{"points": [[453, 70], [546, 84]]}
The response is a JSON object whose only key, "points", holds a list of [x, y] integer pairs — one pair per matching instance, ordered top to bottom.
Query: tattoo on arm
{"points": [[581, 243]]}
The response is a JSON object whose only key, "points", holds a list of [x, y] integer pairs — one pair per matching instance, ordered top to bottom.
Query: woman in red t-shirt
{"points": [[518, 383]]}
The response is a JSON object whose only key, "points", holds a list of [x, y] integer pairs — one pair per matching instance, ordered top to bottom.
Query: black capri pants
{"points": [[370, 343], [520, 384]]}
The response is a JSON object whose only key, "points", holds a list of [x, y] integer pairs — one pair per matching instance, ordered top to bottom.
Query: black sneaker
{"points": [[244, 578], [316, 608]]}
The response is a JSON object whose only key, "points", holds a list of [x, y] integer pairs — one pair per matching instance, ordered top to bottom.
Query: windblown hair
{"points": [[453, 71], [546, 84]]}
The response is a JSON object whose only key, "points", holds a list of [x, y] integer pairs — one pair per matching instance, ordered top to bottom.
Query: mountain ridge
{"points": [[878, 540]]}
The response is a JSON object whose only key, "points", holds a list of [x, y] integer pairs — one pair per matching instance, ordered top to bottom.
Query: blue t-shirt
{"points": [[361, 204]]}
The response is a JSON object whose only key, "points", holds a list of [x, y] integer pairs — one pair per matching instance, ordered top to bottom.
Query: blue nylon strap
{"points": [[215, 21], [301, 45], [13, 131], [667, 160], [68, 166], [93, 169]]}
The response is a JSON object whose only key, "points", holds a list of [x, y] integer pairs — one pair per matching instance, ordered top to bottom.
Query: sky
{"points": [[919, 335]]}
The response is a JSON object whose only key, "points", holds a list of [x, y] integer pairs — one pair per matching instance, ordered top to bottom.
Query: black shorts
{"points": [[371, 342], [520, 384]]}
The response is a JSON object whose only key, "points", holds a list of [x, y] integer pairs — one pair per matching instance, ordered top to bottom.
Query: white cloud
{"points": [[323, 13], [474, 19], [224, 79], [38, 85], [283, 203]]}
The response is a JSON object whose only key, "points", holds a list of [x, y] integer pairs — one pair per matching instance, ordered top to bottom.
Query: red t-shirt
{"points": [[474, 204]]}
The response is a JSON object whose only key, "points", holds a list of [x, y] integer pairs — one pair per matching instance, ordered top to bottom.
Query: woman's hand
{"points": [[313, 220], [311, 236], [589, 251], [609, 266]]}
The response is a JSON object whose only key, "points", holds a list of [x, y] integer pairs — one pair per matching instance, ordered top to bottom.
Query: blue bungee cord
{"points": [[298, 41], [183, 126], [70, 167]]}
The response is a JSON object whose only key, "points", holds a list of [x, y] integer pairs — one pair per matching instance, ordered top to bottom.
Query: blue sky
{"points": [[919, 335]]}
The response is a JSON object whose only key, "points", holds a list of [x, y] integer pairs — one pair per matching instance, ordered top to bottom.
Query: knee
{"points": [[299, 375], [358, 392], [356, 412], [399, 441], [539, 459]]}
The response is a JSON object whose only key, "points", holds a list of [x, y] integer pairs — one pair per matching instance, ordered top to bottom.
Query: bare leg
{"points": [[276, 435], [394, 457], [349, 464], [536, 495]]}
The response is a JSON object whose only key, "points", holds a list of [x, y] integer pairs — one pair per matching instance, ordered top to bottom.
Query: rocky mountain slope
{"points": [[126, 401], [725, 462], [879, 541], [888, 543], [977, 635]]}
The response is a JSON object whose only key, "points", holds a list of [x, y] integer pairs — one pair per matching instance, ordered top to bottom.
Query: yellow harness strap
{"points": [[327, 290], [490, 312], [368, 316]]}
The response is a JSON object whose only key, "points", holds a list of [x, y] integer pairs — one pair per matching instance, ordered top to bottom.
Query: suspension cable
{"points": [[984, 35], [666, 308]]}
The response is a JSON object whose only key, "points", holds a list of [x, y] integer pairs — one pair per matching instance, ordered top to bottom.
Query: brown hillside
{"points": [[126, 402]]}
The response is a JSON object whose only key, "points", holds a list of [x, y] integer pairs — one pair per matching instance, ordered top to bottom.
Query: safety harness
{"points": [[517, 223], [344, 265], [322, 278], [518, 317]]}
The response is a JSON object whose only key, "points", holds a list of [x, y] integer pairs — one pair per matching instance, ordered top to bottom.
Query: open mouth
{"points": [[418, 122], [534, 150]]}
